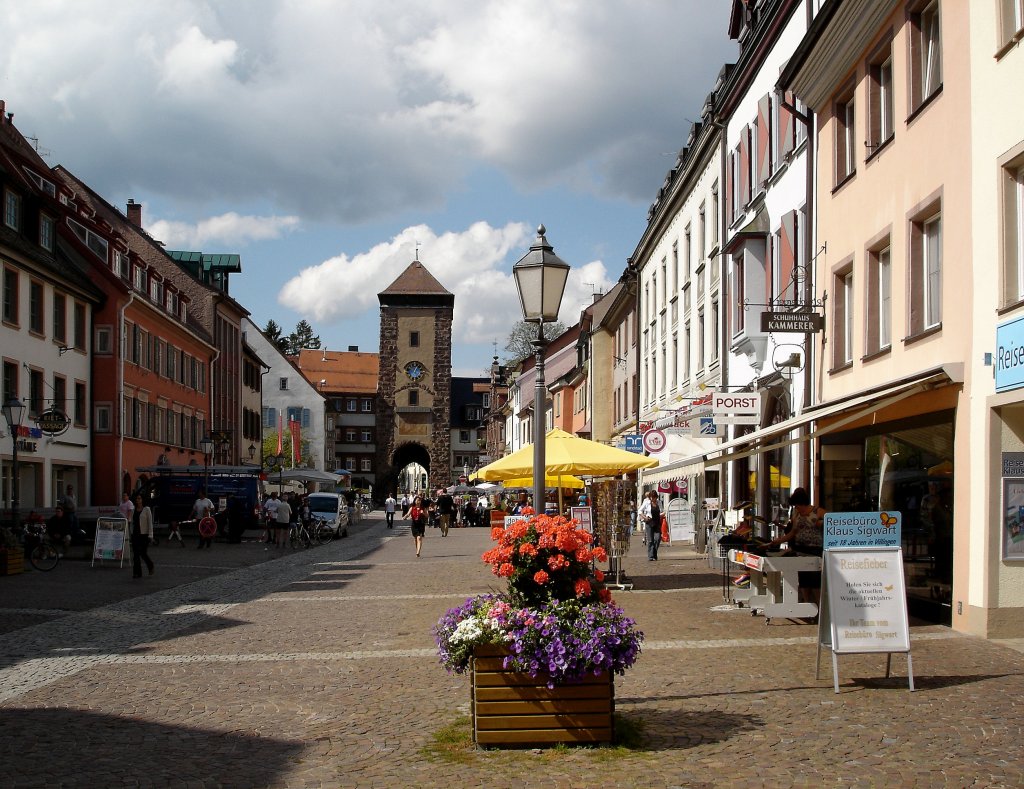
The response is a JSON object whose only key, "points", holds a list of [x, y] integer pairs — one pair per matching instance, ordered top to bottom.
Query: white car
{"points": [[333, 509]]}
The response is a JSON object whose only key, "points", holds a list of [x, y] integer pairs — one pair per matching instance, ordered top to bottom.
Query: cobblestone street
{"points": [[318, 668]]}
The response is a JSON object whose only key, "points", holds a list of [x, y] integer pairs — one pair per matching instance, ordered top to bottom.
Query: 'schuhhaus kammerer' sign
{"points": [[806, 322]]}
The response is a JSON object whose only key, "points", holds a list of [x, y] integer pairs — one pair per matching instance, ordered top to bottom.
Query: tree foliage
{"points": [[520, 339], [291, 344]]}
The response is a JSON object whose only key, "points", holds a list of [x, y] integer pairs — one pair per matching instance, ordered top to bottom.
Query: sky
{"points": [[329, 142]]}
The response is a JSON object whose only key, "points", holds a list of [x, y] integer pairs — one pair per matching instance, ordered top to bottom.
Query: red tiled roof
{"points": [[342, 371]]}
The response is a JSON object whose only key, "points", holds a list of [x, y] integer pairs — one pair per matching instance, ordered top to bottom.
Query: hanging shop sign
{"points": [[806, 322], [736, 404], [53, 422], [654, 441], [634, 443]]}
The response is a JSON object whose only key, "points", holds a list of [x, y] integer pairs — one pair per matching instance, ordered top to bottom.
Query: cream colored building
{"points": [[889, 83], [993, 574]]}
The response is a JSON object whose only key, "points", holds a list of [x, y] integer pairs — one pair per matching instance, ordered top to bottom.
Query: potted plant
{"points": [[543, 654]]}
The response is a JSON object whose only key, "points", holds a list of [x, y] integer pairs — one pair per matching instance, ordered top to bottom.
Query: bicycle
{"points": [[320, 530], [298, 536], [40, 551]]}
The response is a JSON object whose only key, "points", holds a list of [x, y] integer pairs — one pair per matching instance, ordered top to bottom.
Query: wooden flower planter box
{"points": [[12, 561], [516, 709]]}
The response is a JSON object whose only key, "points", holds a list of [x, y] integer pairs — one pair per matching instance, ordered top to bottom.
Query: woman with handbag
{"points": [[418, 516]]}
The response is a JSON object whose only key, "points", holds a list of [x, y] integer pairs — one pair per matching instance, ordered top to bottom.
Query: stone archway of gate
{"points": [[409, 464]]}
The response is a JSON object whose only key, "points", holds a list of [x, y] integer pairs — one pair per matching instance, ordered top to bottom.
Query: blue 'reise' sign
{"points": [[1010, 355], [862, 529]]}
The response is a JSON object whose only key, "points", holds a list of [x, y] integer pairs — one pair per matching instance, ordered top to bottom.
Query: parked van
{"points": [[172, 490], [332, 508]]}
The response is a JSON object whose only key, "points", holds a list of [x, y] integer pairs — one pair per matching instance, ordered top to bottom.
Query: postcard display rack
{"points": [[614, 501]]}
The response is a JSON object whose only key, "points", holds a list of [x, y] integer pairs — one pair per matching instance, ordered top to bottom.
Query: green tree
{"points": [[273, 332], [302, 337], [520, 339]]}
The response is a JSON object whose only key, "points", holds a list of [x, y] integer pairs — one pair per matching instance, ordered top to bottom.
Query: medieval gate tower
{"points": [[414, 395]]}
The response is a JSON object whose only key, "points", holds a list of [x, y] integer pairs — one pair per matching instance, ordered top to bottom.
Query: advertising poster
{"points": [[1013, 518], [680, 520], [863, 529], [111, 537], [866, 601]]}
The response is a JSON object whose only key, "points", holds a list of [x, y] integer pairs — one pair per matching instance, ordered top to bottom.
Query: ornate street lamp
{"points": [[540, 278], [14, 411], [252, 453]]}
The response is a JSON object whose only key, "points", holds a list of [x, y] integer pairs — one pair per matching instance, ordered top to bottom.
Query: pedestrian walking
{"points": [[70, 504], [405, 504], [126, 507], [389, 510], [445, 510], [650, 514], [418, 515], [284, 517], [142, 533]]}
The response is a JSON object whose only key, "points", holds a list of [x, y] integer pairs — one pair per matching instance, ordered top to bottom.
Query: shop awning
{"points": [[855, 408], [677, 469]]}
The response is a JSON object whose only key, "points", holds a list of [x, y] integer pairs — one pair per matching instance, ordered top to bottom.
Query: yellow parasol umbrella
{"points": [[566, 454], [778, 479], [564, 481]]}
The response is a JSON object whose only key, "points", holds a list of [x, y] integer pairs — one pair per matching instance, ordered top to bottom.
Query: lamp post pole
{"points": [[540, 278], [14, 411], [539, 418], [206, 447]]}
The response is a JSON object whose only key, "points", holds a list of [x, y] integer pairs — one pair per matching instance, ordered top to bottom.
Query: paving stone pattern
{"points": [[317, 668]]}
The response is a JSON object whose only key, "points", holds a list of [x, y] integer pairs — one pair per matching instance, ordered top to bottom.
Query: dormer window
{"points": [[47, 186], [96, 243], [139, 279], [156, 290], [183, 311]]}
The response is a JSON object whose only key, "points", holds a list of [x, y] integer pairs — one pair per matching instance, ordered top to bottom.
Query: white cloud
{"points": [[353, 111], [228, 229], [475, 265]]}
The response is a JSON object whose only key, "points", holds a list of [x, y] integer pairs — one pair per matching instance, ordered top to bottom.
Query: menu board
{"points": [[680, 520], [864, 601]]}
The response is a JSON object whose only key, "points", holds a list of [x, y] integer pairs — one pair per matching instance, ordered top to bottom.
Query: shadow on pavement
{"points": [[676, 581], [930, 682], [665, 730], [43, 747]]}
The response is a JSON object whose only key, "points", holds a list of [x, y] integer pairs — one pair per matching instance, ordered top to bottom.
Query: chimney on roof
{"points": [[134, 213], [353, 349]]}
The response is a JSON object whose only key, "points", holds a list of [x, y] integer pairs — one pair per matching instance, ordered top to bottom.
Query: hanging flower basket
{"points": [[543, 655]]}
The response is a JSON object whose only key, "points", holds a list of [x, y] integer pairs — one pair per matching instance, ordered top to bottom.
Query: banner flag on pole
{"points": [[295, 427]]}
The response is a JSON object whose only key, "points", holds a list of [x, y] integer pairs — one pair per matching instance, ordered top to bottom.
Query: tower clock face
{"points": [[415, 371]]}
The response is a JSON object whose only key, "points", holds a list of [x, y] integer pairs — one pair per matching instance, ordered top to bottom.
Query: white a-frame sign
{"points": [[863, 607]]}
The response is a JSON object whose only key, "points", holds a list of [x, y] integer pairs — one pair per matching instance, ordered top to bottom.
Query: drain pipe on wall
{"points": [[122, 343]]}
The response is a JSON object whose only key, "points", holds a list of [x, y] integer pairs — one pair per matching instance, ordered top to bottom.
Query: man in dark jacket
{"points": [[445, 508]]}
